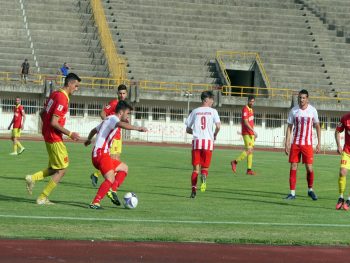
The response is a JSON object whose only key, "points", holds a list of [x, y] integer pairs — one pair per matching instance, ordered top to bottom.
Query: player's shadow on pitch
{"points": [[12, 178], [16, 199]]}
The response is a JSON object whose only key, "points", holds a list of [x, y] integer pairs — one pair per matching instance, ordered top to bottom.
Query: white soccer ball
{"points": [[130, 200]]}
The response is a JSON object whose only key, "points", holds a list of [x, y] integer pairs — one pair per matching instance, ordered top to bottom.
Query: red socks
{"points": [[194, 178], [119, 179], [292, 179], [310, 179], [102, 191]]}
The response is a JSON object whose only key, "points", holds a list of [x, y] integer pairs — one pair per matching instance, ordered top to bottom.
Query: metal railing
{"points": [[116, 63], [174, 86]]}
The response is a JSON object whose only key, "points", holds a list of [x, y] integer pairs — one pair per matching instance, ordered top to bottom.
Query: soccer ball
{"points": [[130, 200]]}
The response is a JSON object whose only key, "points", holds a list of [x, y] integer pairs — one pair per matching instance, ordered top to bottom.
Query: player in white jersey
{"points": [[302, 117], [201, 124], [114, 171]]}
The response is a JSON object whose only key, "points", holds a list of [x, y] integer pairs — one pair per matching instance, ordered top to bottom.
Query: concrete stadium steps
{"points": [[65, 33]]}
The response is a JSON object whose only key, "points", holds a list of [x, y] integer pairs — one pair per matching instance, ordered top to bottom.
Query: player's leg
{"points": [[14, 141], [19, 145], [249, 147], [307, 153], [243, 154], [294, 159], [58, 162], [205, 164], [344, 167], [195, 172], [121, 173], [38, 176], [103, 189]]}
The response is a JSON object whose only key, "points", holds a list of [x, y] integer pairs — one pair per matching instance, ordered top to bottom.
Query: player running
{"points": [[19, 117], [53, 117], [302, 117], [200, 123], [343, 125], [249, 136], [116, 147], [114, 171]]}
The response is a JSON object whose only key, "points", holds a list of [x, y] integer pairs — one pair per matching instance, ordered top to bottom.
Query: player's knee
{"points": [[122, 167], [343, 172]]}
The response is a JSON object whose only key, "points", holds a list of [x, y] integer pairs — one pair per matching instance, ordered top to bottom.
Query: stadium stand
{"points": [[64, 32], [176, 40]]}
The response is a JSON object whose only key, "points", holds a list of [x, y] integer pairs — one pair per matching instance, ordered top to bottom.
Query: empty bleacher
{"points": [[175, 40]]}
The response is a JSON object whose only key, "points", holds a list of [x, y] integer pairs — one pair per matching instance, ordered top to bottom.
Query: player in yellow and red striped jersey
{"points": [[53, 116], [17, 124], [343, 126], [249, 136]]}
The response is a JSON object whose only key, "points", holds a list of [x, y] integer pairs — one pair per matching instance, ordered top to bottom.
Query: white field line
{"points": [[128, 220]]}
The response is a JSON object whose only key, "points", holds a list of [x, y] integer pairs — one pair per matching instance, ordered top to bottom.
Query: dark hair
{"points": [[70, 77], [122, 87], [304, 91], [207, 94], [251, 97], [123, 105]]}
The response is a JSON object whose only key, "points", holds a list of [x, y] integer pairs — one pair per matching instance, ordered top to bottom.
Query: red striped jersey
{"points": [[202, 121], [303, 121], [105, 134]]}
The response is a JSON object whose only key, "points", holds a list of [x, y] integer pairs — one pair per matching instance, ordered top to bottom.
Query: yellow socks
{"points": [[19, 145], [15, 148], [242, 156], [250, 161], [97, 173], [38, 176], [342, 184], [48, 189]]}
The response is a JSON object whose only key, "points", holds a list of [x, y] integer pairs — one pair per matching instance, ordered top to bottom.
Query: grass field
{"points": [[234, 209]]}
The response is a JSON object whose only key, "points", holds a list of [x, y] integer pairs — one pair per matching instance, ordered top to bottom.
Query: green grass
{"points": [[235, 208]]}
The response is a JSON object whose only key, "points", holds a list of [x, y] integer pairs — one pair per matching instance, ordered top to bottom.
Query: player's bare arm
{"points": [[41, 114], [103, 114], [23, 120], [54, 123], [127, 126], [9, 128], [217, 129], [189, 130], [318, 132], [90, 136], [337, 140], [287, 142]]}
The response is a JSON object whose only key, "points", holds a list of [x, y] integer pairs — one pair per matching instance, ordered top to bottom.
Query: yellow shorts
{"points": [[16, 132], [249, 141], [116, 147], [58, 155], [345, 161]]}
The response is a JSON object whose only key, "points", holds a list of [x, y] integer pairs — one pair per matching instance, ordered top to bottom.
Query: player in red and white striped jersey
{"points": [[302, 117], [201, 124], [114, 171]]}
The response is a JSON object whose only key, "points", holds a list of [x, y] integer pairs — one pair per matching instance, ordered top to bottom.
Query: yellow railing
{"points": [[231, 56], [116, 63], [13, 76], [174, 86], [272, 93]]}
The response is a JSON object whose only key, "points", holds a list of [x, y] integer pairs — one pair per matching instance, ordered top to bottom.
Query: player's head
{"points": [[71, 82], [122, 92], [207, 98], [303, 98], [18, 101], [251, 101], [123, 110]]}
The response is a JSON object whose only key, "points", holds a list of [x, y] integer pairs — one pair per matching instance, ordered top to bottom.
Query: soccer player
{"points": [[19, 117], [53, 117], [303, 117], [201, 123], [343, 125], [249, 136], [116, 148], [114, 171]]}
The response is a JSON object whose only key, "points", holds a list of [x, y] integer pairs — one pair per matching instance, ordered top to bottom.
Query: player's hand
{"points": [[22, 127], [9, 128], [142, 129], [255, 135], [75, 136], [87, 142], [287, 148], [318, 148]]}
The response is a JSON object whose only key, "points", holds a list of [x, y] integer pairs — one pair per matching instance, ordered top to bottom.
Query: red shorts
{"points": [[304, 151], [201, 157], [105, 163]]}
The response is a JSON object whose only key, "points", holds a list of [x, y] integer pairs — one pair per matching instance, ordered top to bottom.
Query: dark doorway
{"points": [[242, 78]]}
